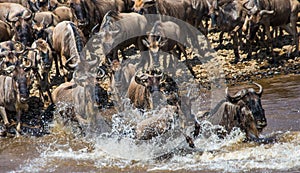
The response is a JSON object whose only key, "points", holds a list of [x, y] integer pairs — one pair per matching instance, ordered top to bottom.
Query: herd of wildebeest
{"points": [[44, 40]]}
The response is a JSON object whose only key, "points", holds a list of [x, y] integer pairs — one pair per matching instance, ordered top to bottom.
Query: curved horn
{"points": [[245, 7], [263, 12], [28, 17], [7, 18], [93, 29], [159, 39], [22, 48], [4, 54], [1, 62], [93, 62], [30, 63], [71, 65], [10, 69], [101, 72], [260, 89], [231, 98]]}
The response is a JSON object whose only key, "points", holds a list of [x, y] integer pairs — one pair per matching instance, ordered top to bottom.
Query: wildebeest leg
{"points": [[293, 21], [202, 29], [293, 31], [221, 37], [269, 40], [236, 47], [181, 49], [56, 64], [4, 116], [18, 129]]}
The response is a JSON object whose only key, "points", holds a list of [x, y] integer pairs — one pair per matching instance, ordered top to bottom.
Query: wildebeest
{"points": [[32, 5], [13, 9], [191, 11], [65, 13], [89, 13], [273, 13], [228, 17], [41, 21], [22, 27], [120, 30], [165, 36], [68, 43], [11, 46], [10, 51], [42, 59], [149, 85], [14, 92], [85, 101], [243, 110], [157, 124]]}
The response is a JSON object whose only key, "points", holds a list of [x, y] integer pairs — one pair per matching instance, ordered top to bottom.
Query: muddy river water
{"points": [[61, 151]]}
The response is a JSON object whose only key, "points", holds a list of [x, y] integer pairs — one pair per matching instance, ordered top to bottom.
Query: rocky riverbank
{"points": [[260, 65]]}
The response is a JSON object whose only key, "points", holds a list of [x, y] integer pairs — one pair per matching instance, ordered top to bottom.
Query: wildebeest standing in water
{"points": [[149, 90], [14, 92], [85, 99], [243, 110]]}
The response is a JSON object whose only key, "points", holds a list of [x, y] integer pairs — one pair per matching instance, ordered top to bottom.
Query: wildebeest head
{"points": [[34, 5], [80, 10], [213, 12], [225, 16], [255, 16], [40, 26], [22, 27], [109, 29], [154, 42], [10, 52], [43, 55], [21, 79], [150, 79], [251, 108]]}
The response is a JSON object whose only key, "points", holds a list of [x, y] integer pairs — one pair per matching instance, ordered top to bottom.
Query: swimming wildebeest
{"points": [[243, 110]]}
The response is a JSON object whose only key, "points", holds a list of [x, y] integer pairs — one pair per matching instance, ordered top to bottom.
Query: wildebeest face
{"points": [[79, 10], [255, 18], [23, 32], [154, 43], [22, 83], [249, 102], [253, 103], [248, 123]]}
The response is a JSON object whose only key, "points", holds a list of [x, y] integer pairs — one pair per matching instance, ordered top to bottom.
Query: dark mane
{"points": [[78, 39], [216, 108]]}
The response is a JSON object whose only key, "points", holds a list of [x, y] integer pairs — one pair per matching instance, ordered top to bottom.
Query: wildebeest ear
{"points": [[146, 43], [162, 43]]}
